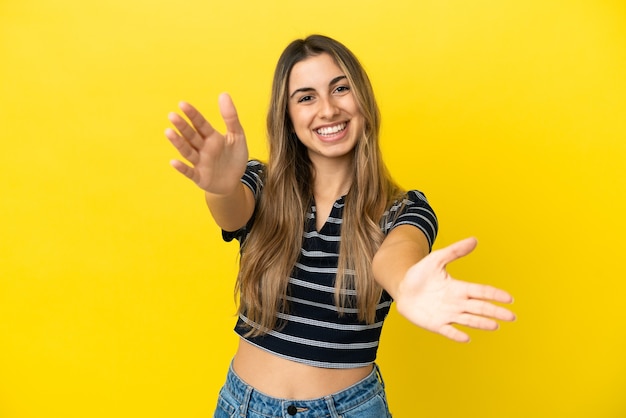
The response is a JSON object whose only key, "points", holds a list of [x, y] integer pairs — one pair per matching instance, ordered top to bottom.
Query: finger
{"points": [[229, 114], [198, 121], [186, 131], [183, 147], [183, 168], [457, 250], [486, 292], [488, 310], [468, 320], [478, 322], [454, 334]]}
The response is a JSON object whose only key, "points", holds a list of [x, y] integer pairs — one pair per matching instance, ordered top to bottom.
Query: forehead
{"points": [[315, 72]]}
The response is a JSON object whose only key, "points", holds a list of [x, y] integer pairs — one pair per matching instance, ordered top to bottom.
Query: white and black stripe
{"points": [[313, 330]]}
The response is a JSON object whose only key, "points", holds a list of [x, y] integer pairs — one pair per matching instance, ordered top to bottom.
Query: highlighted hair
{"points": [[273, 245]]}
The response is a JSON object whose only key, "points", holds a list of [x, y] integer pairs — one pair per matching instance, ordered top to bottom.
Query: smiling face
{"points": [[323, 109]]}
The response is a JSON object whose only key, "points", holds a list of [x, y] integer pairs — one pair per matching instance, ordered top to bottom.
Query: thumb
{"points": [[229, 114], [457, 250]]}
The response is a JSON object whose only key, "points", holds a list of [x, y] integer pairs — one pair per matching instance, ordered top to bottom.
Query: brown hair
{"points": [[273, 246]]}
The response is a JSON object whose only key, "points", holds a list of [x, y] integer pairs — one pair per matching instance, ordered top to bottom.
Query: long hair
{"points": [[273, 246]]}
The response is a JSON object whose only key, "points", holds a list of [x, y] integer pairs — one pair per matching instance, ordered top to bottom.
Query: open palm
{"points": [[217, 160], [430, 298]]}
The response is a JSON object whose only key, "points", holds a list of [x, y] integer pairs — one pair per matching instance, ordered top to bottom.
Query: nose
{"points": [[328, 108]]}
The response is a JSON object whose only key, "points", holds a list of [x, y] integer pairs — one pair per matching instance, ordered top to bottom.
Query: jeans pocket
{"points": [[383, 398], [226, 407]]}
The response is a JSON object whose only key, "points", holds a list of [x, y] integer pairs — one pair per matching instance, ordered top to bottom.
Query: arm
{"points": [[217, 161], [424, 291]]}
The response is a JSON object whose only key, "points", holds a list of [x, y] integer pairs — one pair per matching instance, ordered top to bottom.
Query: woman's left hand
{"points": [[430, 298]]}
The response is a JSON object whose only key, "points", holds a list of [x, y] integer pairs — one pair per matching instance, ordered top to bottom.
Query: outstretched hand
{"points": [[217, 160], [430, 298]]}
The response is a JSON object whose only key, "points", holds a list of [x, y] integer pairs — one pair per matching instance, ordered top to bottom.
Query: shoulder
{"points": [[255, 165], [255, 168], [254, 175], [411, 200], [412, 208]]}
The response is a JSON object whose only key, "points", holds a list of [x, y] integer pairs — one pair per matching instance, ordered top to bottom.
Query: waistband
{"points": [[331, 405]]}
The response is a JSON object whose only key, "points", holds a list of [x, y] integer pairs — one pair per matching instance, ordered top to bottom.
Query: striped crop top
{"points": [[314, 333]]}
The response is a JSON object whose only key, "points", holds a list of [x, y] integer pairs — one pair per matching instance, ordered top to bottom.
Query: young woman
{"points": [[328, 240]]}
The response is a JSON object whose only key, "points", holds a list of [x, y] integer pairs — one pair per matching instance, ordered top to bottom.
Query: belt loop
{"points": [[379, 375], [330, 402], [243, 408]]}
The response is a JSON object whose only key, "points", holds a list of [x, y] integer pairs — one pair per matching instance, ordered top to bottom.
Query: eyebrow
{"points": [[307, 89]]}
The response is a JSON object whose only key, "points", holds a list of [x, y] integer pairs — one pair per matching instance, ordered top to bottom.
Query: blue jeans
{"points": [[365, 399]]}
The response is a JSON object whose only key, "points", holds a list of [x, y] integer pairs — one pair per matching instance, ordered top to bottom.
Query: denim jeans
{"points": [[365, 399]]}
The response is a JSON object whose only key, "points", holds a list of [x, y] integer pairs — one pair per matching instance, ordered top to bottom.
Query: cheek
{"points": [[294, 117], [300, 119], [359, 124]]}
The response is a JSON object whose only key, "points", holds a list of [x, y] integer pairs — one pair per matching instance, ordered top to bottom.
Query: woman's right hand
{"points": [[217, 162]]}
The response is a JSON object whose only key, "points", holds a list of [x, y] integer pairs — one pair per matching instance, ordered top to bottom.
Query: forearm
{"points": [[231, 212], [403, 248]]}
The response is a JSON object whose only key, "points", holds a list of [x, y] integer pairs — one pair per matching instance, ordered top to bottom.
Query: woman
{"points": [[328, 240]]}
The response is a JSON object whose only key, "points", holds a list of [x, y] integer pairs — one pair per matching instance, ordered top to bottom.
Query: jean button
{"points": [[292, 410]]}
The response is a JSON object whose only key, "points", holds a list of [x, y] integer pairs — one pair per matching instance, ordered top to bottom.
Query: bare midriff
{"points": [[286, 379]]}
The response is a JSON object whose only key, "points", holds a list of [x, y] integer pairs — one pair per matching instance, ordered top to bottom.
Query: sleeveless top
{"points": [[314, 332]]}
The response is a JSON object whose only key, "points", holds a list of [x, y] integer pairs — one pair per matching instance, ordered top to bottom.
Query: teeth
{"points": [[331, 129]]}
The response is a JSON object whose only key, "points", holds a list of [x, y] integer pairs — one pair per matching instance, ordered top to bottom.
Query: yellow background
{"points": [[116, 289]]}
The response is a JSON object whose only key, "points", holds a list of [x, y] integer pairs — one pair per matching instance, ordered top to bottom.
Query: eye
{"points": [[342, 89], [304, 99]]}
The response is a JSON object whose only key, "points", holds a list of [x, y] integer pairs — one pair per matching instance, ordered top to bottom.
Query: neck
{"points": [[332, 179]]}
